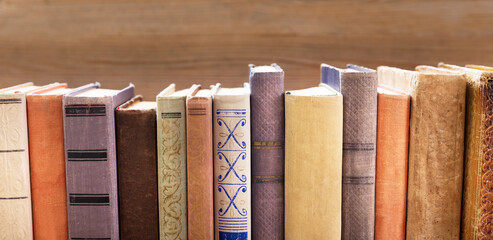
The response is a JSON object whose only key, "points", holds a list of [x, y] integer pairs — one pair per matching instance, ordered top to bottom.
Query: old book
{"points": [[358, 86], [267, 106], [436, 144], [47, 161], [90, 161], [172, 163], [391, 163], [199, 165], [137, 169], [15, 187], [313, 187], [232, 192], [476, 204]]}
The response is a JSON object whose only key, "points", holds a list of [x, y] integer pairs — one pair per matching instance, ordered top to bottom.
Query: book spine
{"points": [[267, 106], [47, 159], [91, 168], [172, 168], [200, 168], [391, 168], [313, 169], [137, 173], [15, 187], [232, 193]]}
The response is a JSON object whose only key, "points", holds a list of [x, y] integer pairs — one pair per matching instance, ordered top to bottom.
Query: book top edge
{"points": [[323, 90]]}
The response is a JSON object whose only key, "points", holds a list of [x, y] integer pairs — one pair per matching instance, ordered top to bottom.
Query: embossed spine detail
{"points": [[485, 226]]}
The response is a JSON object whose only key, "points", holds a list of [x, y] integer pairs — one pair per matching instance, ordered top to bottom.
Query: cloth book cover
{"points": [[358, 86], [267, 113], [436, 144], [47, 160], [90, 161], [172, 163], [200, 165], [232, 166], [391, 168], [137, 169], [313, 185], [15, 186], [476, 202]]}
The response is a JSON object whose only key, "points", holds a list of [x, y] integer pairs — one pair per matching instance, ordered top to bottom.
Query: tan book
{"points": [[436, 144], [313, 168], [476, 202]]}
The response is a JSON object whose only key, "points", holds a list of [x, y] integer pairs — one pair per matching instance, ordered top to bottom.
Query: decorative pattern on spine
{"points": [[358, 87], [267, 102], [232, 164], [172, 168]]}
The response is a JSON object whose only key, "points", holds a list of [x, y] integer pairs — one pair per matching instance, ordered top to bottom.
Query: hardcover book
{"points": [[358, 86], [267, 106], [436, 144], [90, 158], [47, 160], [172, 163], [200, 165], [391, 167], [137, 169], [15, 187], [313, 187], [232, 192]]}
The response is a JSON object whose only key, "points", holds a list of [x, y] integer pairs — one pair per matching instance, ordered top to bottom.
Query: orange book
{"points": [[392, 157], [47, 162]]}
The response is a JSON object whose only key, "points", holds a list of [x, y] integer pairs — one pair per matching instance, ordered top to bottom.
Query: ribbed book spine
{"points": [[267, 106], [172, 167], [200, 168], [137, 171], [15, 187], [232, 192]]}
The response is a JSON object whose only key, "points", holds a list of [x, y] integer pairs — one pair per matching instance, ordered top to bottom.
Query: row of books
{"points": [[347, 159]]}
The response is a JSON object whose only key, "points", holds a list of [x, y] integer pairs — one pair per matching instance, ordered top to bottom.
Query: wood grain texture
{"points": [[153, 43]]}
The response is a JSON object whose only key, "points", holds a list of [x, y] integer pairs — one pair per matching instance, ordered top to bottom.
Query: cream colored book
{"points": [[436, 145], [172, 163], [232, 166], [313, 168], [15, 186]]}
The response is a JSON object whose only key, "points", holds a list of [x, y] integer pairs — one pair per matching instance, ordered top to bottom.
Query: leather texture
{"points": [[358, 86], [267, 106], [436, 144], [90, 158], [47, 161], [391, 166], [200, 167], [137, 171], [313, 187]]}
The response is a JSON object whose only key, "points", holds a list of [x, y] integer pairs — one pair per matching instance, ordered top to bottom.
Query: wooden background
{"points": [[152, 43]]}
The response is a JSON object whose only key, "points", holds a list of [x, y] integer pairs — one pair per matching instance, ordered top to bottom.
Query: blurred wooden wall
{"points": [[152, 43]]}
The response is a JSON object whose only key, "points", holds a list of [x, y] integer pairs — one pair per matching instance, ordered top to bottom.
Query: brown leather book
{"points": [[47, 162], [199, 165], [391, 166], [137, 169]]}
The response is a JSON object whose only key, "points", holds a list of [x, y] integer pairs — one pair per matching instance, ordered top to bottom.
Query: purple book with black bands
{"points": [[267, 119], [90, 160]]}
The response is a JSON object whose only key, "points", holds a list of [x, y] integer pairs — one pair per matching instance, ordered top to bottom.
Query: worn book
{"points": [[358, 86], [267, 113], [436, 144], [47, 160], [90, 161], [172, 163], [391, 164], [200, 165], [137, 169], [232, 183], [15, 186], [313, 187], [476, 200]]}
